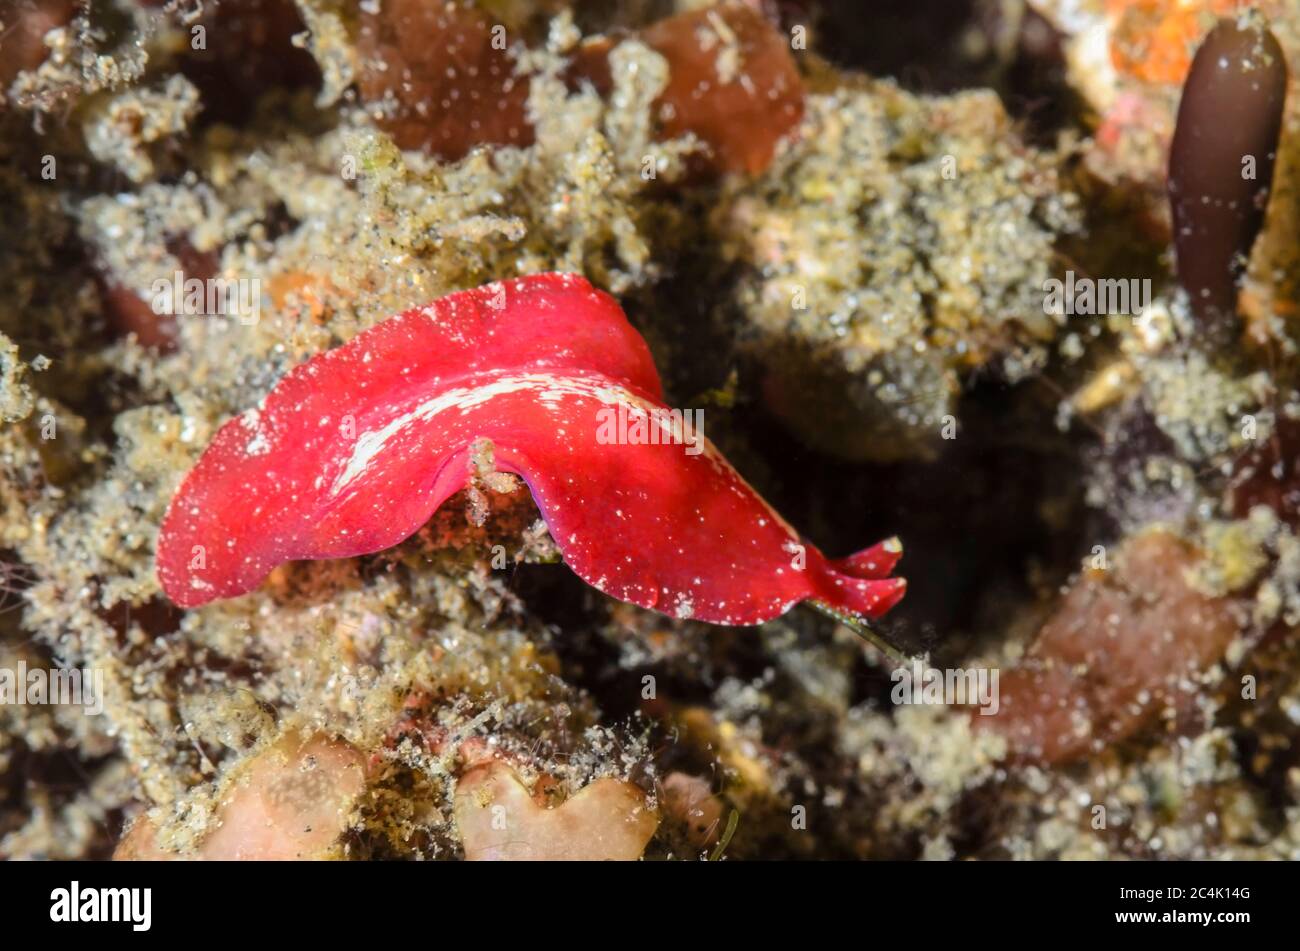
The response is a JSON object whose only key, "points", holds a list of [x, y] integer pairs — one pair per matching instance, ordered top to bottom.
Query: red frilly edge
{"points": [[354, 450]]}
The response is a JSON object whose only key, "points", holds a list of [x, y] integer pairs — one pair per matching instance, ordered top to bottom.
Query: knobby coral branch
{"points": [[354, 450]]}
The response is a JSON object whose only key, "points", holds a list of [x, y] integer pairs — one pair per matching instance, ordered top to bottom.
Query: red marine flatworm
{"points": [[353, 451]]}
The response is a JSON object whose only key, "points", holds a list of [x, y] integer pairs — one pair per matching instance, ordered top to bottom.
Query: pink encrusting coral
{"points": [[353, 451]]}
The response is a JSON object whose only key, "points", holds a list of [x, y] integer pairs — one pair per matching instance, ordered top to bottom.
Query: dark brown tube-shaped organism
{"points": [[1221, 165]]}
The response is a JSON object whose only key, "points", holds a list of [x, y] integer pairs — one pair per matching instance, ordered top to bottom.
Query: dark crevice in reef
{"points": [[261, 32], [918, 42], [941, 46], [692, 344], [1018, 503], [558, 598], [59, 774]]}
